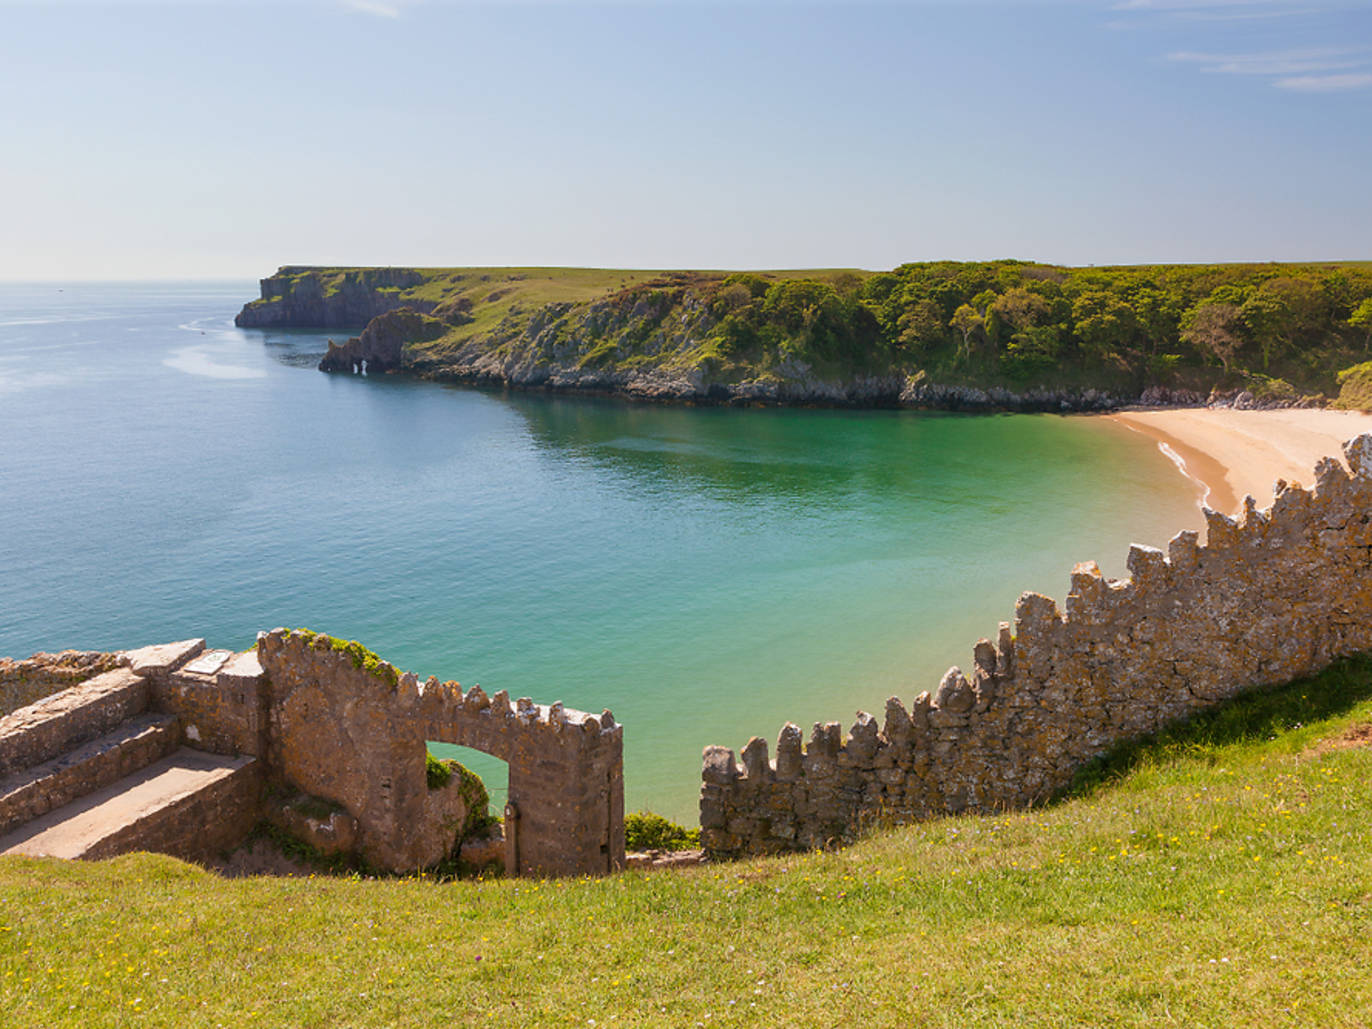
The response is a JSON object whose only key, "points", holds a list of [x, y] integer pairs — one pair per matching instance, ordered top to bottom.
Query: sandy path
{"points": [[1231, 453]]}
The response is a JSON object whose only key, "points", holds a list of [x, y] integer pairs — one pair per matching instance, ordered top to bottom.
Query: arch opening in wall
{"points": [[480, 844]]}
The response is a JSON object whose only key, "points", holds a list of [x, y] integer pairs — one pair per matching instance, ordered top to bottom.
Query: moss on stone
{"points": [[362, 658], [438, 773]]}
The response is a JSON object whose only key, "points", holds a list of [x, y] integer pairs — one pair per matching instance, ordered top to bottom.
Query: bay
{"points": [[706, 573]]}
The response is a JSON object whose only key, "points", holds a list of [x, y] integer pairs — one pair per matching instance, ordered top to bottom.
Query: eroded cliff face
{"points": [[319, 298], [381, 346]]}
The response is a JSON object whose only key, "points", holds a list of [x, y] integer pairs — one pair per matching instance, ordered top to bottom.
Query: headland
{"points": [[973, 336]]}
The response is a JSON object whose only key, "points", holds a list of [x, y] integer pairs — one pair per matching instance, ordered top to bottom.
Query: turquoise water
{"points": [[707, 574]]}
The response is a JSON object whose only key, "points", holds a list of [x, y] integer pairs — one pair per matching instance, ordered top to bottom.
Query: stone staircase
{"points": [[96, 770]]}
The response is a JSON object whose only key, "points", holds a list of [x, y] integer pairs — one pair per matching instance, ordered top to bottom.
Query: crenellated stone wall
{"points": [[1272, 595], [315, 719], [347, 727]]}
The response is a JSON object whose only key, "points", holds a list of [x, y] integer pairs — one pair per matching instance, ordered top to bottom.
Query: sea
{"points": [[707, 574]]}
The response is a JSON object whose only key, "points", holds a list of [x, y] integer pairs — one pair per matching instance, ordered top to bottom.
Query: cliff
{"points": [[299, 297], [990, 335]]}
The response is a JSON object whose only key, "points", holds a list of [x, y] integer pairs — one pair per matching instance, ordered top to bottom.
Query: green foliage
{"points": [[1266, 388], [1355, 393], [360, 656], [438, 773], [644, 830]]}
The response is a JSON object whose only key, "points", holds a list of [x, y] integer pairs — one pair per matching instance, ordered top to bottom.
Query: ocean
{"points": [[708, 574]]}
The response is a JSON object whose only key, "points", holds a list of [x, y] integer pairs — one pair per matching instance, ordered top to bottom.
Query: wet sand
{"points": [[1230, 453]]}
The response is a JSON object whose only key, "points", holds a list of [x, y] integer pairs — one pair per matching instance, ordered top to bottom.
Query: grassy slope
{"points": [[1220, 878]]}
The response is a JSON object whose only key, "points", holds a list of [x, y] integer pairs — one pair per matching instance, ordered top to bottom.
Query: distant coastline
{"points": [[984, 336]]}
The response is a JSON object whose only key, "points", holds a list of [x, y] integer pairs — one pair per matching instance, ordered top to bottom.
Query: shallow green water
{"points": [[707, 574]]}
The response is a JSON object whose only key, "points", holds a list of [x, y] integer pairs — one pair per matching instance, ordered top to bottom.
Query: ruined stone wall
{"points": [[1274, 595], [24, 682], [220, 697], [344, 726], [566, 774]]}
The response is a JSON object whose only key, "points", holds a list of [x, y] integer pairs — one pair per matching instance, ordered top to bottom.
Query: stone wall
{"points": [[1272, 595], [32, 679], [324, 719], [349, 728]]}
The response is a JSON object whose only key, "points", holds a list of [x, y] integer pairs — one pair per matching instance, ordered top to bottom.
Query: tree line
{"points": [[1291, 325]]}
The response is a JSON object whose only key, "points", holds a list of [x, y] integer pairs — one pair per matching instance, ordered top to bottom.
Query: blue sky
{"points": [[221, 139]]}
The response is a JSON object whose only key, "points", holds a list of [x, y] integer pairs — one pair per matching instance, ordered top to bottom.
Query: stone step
{"points": [[50, 727], [35, 791], [189, 804]]}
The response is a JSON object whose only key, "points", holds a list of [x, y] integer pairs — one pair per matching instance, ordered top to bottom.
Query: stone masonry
{"points": [[1272, 595], [300, 716], [356, 736]]}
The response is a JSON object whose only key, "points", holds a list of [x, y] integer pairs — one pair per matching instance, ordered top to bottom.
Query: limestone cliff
{"points": [[300, 297]]}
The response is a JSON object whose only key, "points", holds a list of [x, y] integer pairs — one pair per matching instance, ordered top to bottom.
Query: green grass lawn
{"points": [[1220, 876]]}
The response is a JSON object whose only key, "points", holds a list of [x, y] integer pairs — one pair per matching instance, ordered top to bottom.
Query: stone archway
{"points": [[344, 725]]}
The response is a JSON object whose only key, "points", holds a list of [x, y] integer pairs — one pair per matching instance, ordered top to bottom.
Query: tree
{"points": [[1015, 310], [1159, 315], [1361, 318], [968, 321], [1103, 322], [920, 325], [1213, 327]]}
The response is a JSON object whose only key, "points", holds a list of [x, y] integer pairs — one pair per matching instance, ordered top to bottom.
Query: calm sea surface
{"points": [[707, 574]]}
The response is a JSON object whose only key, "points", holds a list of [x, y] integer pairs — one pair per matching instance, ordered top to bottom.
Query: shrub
{"points": [[1355, 393], [644, 830]]}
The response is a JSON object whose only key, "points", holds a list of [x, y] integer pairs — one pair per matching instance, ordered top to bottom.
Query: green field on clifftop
{"points": [[1220, 876]]}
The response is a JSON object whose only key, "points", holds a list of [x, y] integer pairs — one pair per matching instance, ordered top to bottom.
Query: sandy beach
{"points": [[1231, 453]]}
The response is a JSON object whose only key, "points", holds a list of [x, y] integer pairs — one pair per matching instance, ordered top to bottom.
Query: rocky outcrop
{"points": [[322, 298], [381, 346], [1271, 596]]}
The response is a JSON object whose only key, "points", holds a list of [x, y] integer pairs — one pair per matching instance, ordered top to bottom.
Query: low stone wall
{"points": [[1274, 595], [24, 682], [199, 826]]}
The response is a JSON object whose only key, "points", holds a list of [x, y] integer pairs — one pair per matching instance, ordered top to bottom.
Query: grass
{"points": [[1219, 876]]}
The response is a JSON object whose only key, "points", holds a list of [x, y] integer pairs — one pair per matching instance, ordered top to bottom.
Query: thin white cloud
{"points": [[374, 7], [1286, 62], [1326, 83]]}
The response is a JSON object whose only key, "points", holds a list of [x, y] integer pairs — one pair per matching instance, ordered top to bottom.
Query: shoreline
{"points": [[1230, 453]]}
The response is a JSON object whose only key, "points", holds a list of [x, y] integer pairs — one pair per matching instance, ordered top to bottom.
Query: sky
{"points": [[208, 139]]}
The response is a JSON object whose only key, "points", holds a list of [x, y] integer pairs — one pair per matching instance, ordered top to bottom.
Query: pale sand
{"points": [[1232, 453]]}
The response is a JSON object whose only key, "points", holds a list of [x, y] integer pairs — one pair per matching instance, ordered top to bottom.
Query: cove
{"points": [[706, 573]]}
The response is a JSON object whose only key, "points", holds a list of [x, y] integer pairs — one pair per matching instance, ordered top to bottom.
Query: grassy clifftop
{"points": [[1001, 328], [1217, 877]]}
